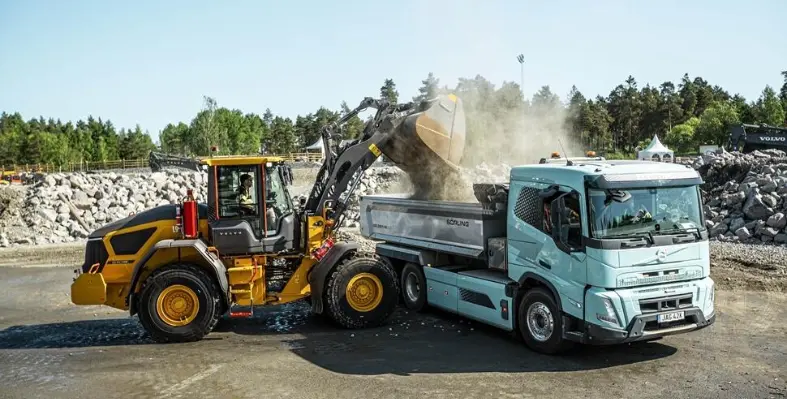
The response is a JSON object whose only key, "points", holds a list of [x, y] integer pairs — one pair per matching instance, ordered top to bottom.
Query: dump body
{"points": [[449, 227]]}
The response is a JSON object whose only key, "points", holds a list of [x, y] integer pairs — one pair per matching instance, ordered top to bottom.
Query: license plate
{"points": [[668, 317]]}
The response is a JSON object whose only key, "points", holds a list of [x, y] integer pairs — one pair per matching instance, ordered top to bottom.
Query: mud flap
{"points": [[89, 289]]}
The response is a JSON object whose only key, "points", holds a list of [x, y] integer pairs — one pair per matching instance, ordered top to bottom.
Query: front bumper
{"points": [[89, 288], [644, 328]]}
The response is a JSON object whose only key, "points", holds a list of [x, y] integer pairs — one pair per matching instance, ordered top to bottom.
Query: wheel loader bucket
{"points": [[428, 145]]}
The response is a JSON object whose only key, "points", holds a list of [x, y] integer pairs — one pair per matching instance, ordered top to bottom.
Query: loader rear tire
{"points": [[362, 291], [179, 303]]}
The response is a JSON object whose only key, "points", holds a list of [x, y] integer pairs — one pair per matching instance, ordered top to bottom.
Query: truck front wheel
{"points": [[413, 287], [362, 292], [179, 303], [540, 322]]}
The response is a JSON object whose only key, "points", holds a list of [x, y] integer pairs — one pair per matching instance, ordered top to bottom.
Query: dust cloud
{"points": [[502, 129], [500, 134]]}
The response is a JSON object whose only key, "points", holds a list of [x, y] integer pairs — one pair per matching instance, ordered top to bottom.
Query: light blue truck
{"points": [[573, 250]]}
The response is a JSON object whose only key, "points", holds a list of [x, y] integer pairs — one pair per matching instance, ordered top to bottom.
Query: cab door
{"points": [[236, 226], [570, 260]]}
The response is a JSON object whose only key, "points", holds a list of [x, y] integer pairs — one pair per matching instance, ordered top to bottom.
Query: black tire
{"points": [[413, 285], [208, 295], [338, 307], [551, 340]]}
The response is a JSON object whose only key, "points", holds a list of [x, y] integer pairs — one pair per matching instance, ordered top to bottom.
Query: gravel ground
{"points": [[749, 266], [50, 348]]}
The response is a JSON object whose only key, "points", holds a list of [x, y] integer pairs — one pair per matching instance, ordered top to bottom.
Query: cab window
{"points": [[238, 191], [277, 200], [569, 222], [571, 226]]}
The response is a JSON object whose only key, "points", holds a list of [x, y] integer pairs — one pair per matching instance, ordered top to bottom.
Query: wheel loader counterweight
{"points": [[180, 267]]}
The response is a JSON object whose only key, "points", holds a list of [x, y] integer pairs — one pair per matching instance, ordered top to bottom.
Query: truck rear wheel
{"points": [[413, 287], [362, 292], [179, 303], [540, 322]]}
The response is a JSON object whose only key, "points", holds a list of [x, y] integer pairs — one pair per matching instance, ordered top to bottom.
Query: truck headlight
{"points": [[610, 316]]}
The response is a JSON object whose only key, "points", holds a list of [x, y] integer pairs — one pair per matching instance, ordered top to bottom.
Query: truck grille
{"points": [[95, 252], [660, 277], [653, 305]]}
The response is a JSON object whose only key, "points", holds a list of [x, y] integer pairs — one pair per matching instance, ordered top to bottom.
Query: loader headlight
{"points": [[610, 316]]}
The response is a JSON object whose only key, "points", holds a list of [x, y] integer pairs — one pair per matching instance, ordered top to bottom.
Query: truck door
{"points": [[568, 261]]}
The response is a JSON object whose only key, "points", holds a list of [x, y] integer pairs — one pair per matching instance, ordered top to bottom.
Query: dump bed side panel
{"points": [[458, 228]]}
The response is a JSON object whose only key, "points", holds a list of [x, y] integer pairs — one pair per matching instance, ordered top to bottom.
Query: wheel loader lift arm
{"points": [[344, 167]]}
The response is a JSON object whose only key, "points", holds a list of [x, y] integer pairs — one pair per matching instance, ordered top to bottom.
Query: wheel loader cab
{"points": [[249, 208]]}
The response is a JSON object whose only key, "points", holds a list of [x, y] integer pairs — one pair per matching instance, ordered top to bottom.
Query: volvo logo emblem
{"points": [[662, 254]]}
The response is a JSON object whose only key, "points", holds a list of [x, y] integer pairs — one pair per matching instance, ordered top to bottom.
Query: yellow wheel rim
{"points": [[364, 292], [177, 305]]}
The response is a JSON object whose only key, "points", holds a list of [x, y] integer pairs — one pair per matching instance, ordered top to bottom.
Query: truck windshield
{"points": [[631, 212]]}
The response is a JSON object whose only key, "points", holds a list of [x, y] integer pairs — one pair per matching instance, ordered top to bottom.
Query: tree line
{"points": [[684, 115]]}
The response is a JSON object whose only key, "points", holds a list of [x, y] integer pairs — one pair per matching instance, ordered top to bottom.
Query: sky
{"points": [[150, 63]]}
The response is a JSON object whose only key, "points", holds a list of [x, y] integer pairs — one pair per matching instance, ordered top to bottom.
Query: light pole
{"points": [[521, 59]]}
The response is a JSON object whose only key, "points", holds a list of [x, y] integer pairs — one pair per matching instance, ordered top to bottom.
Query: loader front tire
{"points": [[363, 291], [179, 303]]}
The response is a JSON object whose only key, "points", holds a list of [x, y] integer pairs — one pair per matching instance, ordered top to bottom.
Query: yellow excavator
{"points": [[181, 267]]}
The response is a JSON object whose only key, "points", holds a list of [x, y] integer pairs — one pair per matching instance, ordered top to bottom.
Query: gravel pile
{"points": [[745, 195], [67, 207]]}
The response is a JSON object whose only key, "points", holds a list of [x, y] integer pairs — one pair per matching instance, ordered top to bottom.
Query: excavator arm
{"points": [[428, 136], [747, 137]]}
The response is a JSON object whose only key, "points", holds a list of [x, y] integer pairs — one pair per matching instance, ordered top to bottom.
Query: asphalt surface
{"points": [[50, 348]]}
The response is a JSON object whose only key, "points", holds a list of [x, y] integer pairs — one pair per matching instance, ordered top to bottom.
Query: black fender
{"points": [[220, 271], [320, 271], [542, 281]]}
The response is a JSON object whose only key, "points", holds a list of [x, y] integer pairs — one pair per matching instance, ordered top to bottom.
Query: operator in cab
{"points": [[244, 195]]}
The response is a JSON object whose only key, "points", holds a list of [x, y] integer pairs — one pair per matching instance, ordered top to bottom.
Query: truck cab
{"points": [[621, 246], [580, 251]]}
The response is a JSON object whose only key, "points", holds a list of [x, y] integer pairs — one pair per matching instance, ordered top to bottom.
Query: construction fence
{"points": [[127, 164]]}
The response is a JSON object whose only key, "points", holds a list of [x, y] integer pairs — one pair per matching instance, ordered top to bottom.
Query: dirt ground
{"points": [[51, 348]]}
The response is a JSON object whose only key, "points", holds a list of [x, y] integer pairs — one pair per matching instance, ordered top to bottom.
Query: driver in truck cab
{"points": [[572, 213]]}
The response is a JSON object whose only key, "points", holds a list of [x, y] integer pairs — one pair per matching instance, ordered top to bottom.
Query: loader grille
{"points": [[95, 252]]}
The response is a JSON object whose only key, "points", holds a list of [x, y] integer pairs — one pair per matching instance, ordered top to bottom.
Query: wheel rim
{"points": [[411, 287], [364, 292], [177, 305], [540, 322]]}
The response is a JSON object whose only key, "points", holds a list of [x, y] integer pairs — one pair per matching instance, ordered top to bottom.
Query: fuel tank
{"points": [[428, 145]]}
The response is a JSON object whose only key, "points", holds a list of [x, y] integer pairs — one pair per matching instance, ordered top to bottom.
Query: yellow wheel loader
{"points": [[182, 266]]}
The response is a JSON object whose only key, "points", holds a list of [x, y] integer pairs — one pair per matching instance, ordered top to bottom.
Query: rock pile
{"points": [[385, 179], [745, 195], [66, 207]]}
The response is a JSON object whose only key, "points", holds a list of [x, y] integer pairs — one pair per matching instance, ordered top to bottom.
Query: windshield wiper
{"points": [[693, 230], [641, 234]]}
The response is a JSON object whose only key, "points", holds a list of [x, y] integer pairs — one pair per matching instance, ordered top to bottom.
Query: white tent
{"points": [[317, 146], [656, 151]]}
